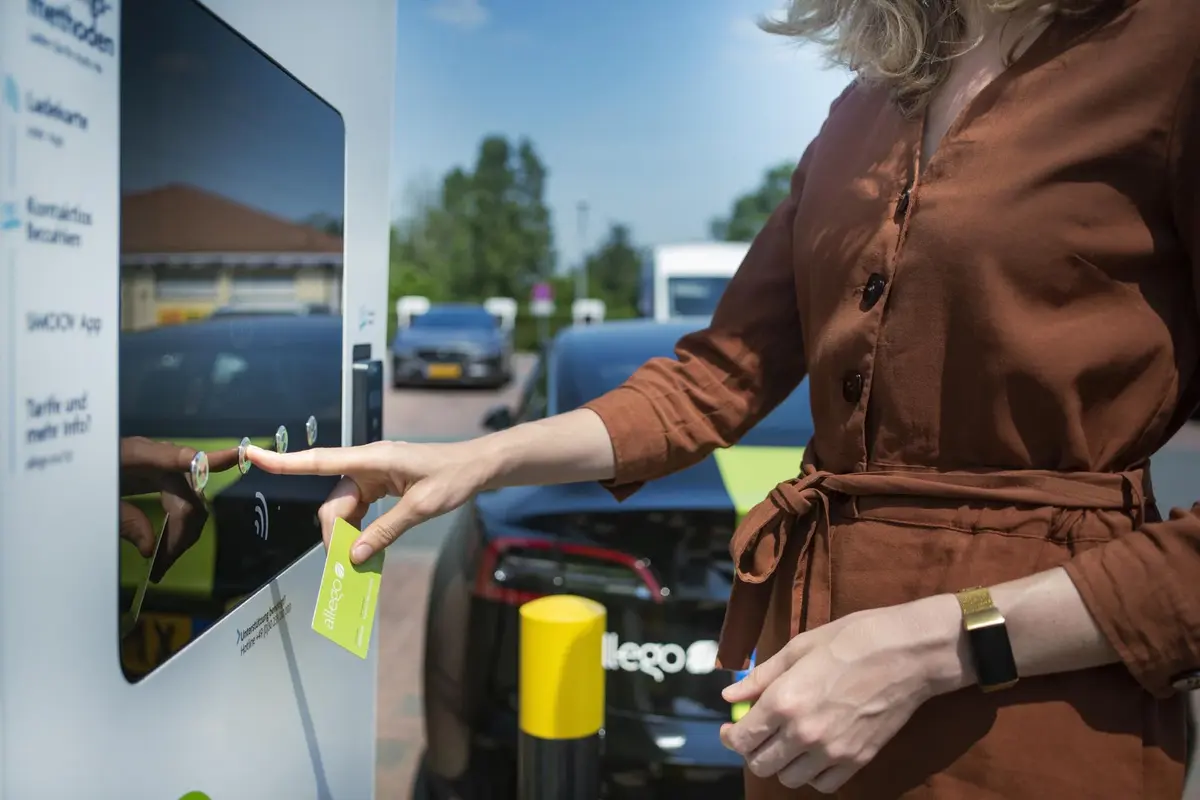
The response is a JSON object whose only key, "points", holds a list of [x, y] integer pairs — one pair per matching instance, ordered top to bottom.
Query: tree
{"points": [[751, 210], [535, 216], [326, 223], [485, 232], [614, 271]]}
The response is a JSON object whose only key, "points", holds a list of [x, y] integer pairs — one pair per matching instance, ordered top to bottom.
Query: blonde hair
{"points": [[906, 45]]}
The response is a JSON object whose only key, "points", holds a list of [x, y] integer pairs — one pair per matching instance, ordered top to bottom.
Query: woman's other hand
{"points": [[429, 479], [827, 702]]}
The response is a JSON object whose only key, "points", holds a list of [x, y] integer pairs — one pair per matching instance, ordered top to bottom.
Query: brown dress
{"points": [[995, 350]]}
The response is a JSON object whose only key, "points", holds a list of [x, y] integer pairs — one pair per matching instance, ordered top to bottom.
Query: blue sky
{"points": [[201, 107], [656, 113]]}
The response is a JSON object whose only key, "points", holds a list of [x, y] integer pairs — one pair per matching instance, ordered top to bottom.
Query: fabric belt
{"points": [[800, 508]]}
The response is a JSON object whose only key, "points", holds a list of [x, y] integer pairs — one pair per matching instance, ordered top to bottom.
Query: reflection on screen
{"points": [[231, 286], [695, 296]]}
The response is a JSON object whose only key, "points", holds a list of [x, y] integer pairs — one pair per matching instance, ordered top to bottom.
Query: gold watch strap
{"points": [[975, 600], [987, 635]]}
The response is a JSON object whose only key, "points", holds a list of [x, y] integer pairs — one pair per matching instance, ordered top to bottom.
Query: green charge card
{"points": [[348, 596]]}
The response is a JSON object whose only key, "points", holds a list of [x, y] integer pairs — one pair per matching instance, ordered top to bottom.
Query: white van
{"points": [[681, 281]]}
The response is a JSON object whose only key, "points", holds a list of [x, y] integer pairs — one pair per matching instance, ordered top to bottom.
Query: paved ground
{"points": [[449, 413], [417, 414], [452, 414], [401, 638]]}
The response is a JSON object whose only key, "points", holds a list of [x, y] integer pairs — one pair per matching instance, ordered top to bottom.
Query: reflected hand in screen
{"points": [[149, 466], [429, 479]]}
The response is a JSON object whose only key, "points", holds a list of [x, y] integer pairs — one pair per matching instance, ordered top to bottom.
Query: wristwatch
{"points": [[987, 636], [1186, 681]]}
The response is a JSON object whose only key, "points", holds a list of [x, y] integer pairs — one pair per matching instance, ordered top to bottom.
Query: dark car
{"points": [[452, 343], [206, 385], [659, 562]]}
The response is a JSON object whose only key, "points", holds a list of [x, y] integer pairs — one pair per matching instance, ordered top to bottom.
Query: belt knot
{"points": [[802, 505], [759, 541]]}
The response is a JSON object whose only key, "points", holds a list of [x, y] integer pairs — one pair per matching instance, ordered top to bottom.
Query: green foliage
{"points": [[750, 211], [325, 223], [486, 232], [614, 270], [528, 331], [526, 335]]}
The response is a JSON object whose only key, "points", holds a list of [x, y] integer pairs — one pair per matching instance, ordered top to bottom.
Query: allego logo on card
{"points": [[329, 613]]}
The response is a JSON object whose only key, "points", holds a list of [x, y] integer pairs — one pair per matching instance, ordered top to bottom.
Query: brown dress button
{"points": [[902, 203], [873, 290], [852, 387]]}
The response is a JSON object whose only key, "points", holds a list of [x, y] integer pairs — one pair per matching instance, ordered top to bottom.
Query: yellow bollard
{"points": [[561, 698]]}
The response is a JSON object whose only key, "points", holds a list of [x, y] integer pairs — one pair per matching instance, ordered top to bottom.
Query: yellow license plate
{"points": [[445, 371], [154, 639]]}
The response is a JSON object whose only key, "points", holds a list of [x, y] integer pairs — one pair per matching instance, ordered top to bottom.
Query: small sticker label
{"points": [[349, 594]]}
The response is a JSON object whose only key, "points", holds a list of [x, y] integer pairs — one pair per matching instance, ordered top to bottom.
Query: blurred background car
{"points": [[452, 344], [207, 385], [659, 562]]}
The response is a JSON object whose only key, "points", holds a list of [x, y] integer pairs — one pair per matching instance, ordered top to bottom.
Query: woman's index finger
{"points": [[314, 461]]}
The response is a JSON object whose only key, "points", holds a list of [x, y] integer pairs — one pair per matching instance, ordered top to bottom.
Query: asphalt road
{"points": [[447, 413], [454, 414]]}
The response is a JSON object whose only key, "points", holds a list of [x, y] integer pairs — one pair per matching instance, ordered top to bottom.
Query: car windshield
{"points": [[695, 296], [459, 318], [594, 371], [191, 383]]}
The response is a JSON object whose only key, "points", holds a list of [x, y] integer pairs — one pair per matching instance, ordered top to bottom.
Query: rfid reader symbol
{"points": [[12, 95], [8, 217], [261, 520], [339, 570]]}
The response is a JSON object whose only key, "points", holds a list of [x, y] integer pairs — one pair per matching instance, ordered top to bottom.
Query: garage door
{"points": [[264, 290]]}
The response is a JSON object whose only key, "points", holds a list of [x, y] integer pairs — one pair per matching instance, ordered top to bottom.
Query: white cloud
{"points": [[460, 13]]}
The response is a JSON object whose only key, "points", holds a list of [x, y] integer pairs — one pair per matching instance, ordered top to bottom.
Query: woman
{"points": [[986, 265]]}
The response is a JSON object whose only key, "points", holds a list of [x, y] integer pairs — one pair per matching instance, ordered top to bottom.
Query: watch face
{"points": [[994, 660], [1187, 682]]}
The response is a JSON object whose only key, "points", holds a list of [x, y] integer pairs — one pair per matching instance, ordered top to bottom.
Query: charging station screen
{"points": [[232, 181]]}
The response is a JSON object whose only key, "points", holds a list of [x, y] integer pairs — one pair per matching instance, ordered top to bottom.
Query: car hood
{"points": [[446, 337], [736, 478], [676, 528]]}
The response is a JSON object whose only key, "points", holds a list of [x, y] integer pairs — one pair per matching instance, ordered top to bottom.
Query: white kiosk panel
{"points": [[131, 212]]}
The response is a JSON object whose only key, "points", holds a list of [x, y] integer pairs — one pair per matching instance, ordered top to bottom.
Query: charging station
{"points": [[193, 253], [408, 307], [504, 309], [588, 311]]}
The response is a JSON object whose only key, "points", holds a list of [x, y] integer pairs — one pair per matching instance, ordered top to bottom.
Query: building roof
{"points": [[179, 218]]}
